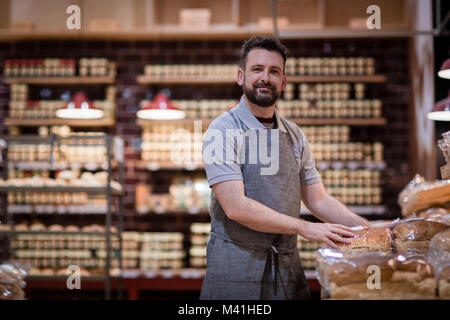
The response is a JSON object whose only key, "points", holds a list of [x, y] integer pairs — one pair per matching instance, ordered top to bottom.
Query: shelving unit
{"points": [[61, 81], [107, 190]]}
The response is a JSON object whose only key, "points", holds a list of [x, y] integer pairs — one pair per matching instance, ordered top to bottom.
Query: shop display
{"points": [[330, 66], [58, 67], [190, 70], [22, 108], [328, 109], [327, 134], [173, 143], [190, 193], [199, 233], [162, 250], [308, 252], [439, 256]]}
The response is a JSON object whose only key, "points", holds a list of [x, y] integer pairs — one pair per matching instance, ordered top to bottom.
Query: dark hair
{"points": [[269, 43]]}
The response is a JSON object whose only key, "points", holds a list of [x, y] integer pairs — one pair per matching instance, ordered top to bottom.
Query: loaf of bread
{"points": [[413, 237], [372, 239], [399, 278]]}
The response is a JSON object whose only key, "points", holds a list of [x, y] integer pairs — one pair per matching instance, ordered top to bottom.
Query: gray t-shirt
{"points": [[222, 160]]}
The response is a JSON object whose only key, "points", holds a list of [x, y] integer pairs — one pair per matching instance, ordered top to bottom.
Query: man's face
{"points": [[263, 78]]}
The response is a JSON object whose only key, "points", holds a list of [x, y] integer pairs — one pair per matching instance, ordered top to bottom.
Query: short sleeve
{"points": [[220, 154], [308, 172]]}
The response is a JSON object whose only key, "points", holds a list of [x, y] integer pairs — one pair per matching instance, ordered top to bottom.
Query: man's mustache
{"points": [[271, 86]]}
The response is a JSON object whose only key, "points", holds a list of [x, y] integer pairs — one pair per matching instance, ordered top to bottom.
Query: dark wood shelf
{"points": [[145, 79], [61, 81], [303, 121], [58, 122], [57, 189]]}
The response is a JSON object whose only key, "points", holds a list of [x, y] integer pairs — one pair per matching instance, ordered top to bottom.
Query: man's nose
{"points": [[265, 76]]}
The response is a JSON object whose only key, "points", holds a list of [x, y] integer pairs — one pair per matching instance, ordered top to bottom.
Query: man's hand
{"points": [[327, 233]]}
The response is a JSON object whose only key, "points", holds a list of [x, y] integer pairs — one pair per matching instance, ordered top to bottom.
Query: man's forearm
{"points": [[330, 210], [259, 217]]}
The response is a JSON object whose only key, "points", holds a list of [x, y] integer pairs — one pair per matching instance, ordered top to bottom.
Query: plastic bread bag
{"points": [[420, 194], [412, 236], [438, 256], [335, 266], [375, 276], [12, 281]]}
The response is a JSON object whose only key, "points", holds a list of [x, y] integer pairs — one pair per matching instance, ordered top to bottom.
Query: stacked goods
{"points": [[330, 66], [97, 67], [39, 68], [191, 71], [325, 91], [20, 107], [330, 108], [203, 109], [327, 134], [173, 143], [350, 151], [65, 178], [186, 193], [420, 195], [199, 240], [51, 249], [162, 250], [308, 252], [11, 282]]}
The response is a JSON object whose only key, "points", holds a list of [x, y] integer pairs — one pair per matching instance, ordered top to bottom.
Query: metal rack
{"points": [[54, 141]]}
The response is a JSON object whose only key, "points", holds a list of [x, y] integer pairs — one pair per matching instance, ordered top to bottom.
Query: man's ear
{"points": [[240, 77], [283, 82]]}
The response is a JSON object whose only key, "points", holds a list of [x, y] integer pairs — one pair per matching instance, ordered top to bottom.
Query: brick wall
{"points": [[391, 57]]}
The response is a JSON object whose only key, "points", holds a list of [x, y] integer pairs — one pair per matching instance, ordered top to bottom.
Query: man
{"points": [[252, 250]]}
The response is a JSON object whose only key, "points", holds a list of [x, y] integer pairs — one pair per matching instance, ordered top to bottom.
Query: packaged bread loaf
{"points": [[412, 237], [370, 239], [438, 255], [375, 276], [11, 282]]}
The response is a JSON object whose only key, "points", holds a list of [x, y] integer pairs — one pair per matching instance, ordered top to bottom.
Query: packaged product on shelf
{"points": [[420, 194], [412, 237], [370, 239], [438, 256], [346, 276]]}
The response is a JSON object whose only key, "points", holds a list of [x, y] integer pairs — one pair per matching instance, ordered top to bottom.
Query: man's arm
{"points": [[328, 209], [259, 217]]}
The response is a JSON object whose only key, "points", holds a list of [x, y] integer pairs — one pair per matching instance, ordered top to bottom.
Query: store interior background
{"points": [[132, 48]]}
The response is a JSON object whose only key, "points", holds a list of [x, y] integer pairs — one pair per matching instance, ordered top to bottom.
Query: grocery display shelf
{"points": [[146, 79], [61, 80], [302, 121], [58, 122], [47, 165], [321, 165], [57, 189], [58, 209], [361, 210], [179, 211], [46, 232]]}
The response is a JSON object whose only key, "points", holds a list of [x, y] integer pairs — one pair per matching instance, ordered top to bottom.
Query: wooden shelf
{"points": [[377, 78], [145, 79], [61, 80], [303, 121], [341, 121], [58, 122], [46, 165], [155, 166], [70, 189]]}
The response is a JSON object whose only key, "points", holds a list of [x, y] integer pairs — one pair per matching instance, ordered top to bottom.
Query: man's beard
{"points": [[262, 100]]}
